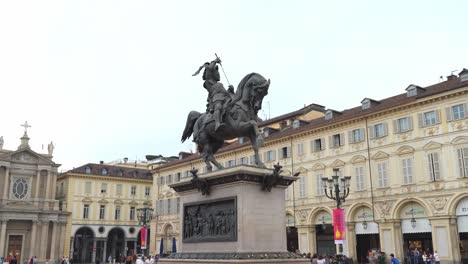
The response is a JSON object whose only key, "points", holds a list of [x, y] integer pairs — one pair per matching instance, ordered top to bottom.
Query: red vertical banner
{"points": [[339, 226], [143, 234]]}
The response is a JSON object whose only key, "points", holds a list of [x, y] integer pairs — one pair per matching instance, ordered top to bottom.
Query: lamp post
{"points": [[339, 188], [338, 191], [144, 216], [413, 220], [364, 223], [324, 225]]}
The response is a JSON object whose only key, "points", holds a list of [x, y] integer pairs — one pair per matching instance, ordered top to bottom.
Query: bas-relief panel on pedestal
{"points": [[210, 221]]}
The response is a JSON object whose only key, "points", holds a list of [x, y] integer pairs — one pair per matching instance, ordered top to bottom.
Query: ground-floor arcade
{"points": [[440, 224], [92, 242]]}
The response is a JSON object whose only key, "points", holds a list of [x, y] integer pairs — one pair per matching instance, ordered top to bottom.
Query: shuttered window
{"points": [[429, 118], [378, 130], [356, 135], [318, 144], [284, 152], [463, 161], [434, 166], [407, 170], [382, 174], [359, 176], [319, 186], [302, 187]]}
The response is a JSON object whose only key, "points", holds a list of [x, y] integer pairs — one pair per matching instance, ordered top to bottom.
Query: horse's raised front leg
{"points": [[255, 145], [209, 158], [207, 162], [216, 163]]}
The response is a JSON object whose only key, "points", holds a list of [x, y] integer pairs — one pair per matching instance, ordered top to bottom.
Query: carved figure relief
{"points": [[438, 203], [385, 207], [302, 215], [211, 221]]}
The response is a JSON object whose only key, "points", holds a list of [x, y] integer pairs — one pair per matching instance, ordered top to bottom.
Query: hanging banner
{"points": [[339, 226], [143, 234]]}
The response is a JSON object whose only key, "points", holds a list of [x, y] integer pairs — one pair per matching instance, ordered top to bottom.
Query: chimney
{"points": [[451, 77], [125, 160], [101, 162]]}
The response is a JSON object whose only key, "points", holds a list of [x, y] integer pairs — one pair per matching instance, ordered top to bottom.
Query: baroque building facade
{"points": [[408, 159], [102, 200], [28, 209]]}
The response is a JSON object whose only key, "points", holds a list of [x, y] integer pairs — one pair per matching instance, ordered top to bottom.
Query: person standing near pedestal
{"points": [[415, 256]]}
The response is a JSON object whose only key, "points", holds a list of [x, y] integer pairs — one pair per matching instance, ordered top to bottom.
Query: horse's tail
{"points": [[191, 119]]}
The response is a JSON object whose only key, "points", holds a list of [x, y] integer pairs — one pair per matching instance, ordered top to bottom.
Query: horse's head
{"points": [[251, 91]]}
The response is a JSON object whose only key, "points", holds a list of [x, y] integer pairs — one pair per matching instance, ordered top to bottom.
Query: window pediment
{"points": [[460, 140], [432, 145], [405, 150], [380, 155], [358, 159], [338, 163], [319, 166], [87, 200], [103, 201], [118, 202], [133, 202]]}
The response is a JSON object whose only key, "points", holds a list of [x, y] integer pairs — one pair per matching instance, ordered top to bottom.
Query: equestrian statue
{"points": [[228, 115]]}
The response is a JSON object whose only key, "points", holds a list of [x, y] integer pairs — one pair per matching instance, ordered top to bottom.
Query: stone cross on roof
{"points": [[26, 126]]}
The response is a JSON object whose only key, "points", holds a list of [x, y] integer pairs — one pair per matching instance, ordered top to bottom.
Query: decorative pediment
{"points": [[460, 140], [432, 145], [405, 150], [27, 155], [380, 155], [358, 159], [338, 163], [319, 166], [301, 170], [87, 200], [103, 201], [118, 202], [133, 203], [147, 203]]}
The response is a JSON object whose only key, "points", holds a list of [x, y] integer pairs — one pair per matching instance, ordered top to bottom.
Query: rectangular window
{"points": [[458, 112], [429, 118], [404, 124], [379, 130], [356, 135], [336, 140], [318, 144], [300, 149], [284, 152], [270, 155], [252, 160], [244, 161], [463, 161], [231, 163], [434, 167], [407, 170], [382, 173], [359, 175], [178, 176], [169, 179], [162, 180], [318, 184], [87, 187], [103, 187], [302, 187], [119, 189], [133, 190], [147, 191], [168, 206], [86, 211], [102, 212], [117, 213], [132, 213]]}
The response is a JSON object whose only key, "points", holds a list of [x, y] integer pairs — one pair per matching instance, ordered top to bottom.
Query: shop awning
{"points": [[462, 223], [422, 226], [372, 228]]}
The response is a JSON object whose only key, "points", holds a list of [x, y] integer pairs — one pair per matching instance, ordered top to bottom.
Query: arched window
{"points": [[88, 170], [104, 171]]}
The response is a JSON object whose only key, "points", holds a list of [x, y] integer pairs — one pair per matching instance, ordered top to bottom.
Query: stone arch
{"points": [[460, 140], [432, 145], [403, 150], [358, 159], [318, 166], [303, 171], [401, 203], [453, 203], [354, 209], [316, 211], [291, 214], [83, 228], [83, 244]]}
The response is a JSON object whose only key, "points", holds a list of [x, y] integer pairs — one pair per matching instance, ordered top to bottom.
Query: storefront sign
{"points": [[423, 225], [339, 226], [143, 232]]}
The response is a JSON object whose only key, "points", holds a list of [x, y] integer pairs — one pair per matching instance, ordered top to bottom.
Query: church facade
{"points": [[31, 223]]}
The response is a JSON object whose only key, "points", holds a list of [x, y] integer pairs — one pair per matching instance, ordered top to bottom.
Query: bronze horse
{"points": [[240, 120]]}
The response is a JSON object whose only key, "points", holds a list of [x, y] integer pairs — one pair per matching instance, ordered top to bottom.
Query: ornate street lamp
{"points": [[339, 188], [144, 216], [413, 220], [364, 224], [324, 225]]}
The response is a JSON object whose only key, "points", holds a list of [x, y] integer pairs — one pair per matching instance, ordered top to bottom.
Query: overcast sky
{"points": [[105, 80]]}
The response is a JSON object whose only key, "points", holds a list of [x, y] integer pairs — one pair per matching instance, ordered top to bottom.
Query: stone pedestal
{"points": [[237, 222]]}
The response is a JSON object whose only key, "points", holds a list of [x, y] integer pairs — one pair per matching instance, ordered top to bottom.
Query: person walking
{"points": [[416, 256], [436, 257], [393, 259], [13, 260], [35, 260]]}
